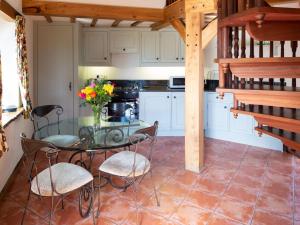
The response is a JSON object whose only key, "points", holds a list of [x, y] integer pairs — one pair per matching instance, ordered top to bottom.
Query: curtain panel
{"points": [[23, 65], [3, 142]]}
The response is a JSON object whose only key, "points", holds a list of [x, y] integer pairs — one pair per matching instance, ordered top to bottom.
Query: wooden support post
{"points": [[194, 92]]}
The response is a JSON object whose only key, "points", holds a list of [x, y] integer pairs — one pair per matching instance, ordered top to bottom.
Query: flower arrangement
{"points": [[97, 93]]}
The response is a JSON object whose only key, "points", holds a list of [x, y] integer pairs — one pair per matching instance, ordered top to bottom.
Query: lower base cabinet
{"points": [[219, 123]]}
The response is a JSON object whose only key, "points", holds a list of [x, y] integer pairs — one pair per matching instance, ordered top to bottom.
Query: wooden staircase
{"points": [[258, 63]]}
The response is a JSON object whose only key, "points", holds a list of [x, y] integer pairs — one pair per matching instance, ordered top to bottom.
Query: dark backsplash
{"points": [[140, 83]]}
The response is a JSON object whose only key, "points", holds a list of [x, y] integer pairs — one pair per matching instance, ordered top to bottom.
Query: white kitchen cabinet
{"points": [[124, 41], [95, 47], [150, 47], [169, 47], [182, 51], [156, 106], [178, 110], [217, 116], [242, 124]]}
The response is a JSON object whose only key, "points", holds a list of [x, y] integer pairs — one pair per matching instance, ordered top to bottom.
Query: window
{"points": [[8, 49]]}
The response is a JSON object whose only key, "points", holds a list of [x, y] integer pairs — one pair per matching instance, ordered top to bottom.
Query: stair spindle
{"points": [[251, 3], [294, 46], [261, 55], [251, 56], [271, 80], [282, 81]]}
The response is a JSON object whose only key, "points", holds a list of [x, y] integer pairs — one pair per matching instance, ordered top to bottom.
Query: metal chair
{"points": [[44, 127], [132, 165], [55, 180]]}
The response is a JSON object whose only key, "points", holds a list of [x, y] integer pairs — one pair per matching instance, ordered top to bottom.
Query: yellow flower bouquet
{"points": [[97, 93]]}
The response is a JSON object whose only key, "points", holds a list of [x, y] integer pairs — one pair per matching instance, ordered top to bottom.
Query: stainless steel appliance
{"points": [[177, 82]]}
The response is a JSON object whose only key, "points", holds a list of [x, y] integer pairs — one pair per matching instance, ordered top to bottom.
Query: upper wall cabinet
{"points": [[124, 41], [95, 47], [150, 47], [169, 47], [163, 48]]}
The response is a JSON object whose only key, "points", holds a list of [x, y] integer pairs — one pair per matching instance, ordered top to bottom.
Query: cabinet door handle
{"points": [[124, 49], [105, 58], [157, 58], [177, 58], [182, 58], [70, 86], [168, 96], [174, 96], [225, 107]]}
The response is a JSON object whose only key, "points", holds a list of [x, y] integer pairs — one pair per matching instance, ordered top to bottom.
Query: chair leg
{"points": [[154, 187], [98, 195], [136, 202], [26, 206], [52, 208], [93, 211]]}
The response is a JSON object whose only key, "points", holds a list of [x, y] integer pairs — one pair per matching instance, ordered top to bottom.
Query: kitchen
{"points": [[138, 60]]}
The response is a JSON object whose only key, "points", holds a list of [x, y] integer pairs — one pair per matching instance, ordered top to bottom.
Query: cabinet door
{"points": [[124, 41], [95, 47], [150, 47], [169, 47], [182, 51], [55, 66], [156, 106], [178, 110], [218, 116], [245, 120]]}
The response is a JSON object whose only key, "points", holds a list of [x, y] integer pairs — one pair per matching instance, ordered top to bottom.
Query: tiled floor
{"points": [[239, 185]]}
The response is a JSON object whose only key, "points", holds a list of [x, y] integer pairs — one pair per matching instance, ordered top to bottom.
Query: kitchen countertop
{"points": [[166, 89]]}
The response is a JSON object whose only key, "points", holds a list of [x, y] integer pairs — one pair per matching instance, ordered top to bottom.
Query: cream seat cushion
{"points": [[62, 140], [121, 164], [66, 177]]}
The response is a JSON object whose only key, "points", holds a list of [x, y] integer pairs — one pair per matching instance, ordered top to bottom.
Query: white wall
{"points": [[10, 159]]}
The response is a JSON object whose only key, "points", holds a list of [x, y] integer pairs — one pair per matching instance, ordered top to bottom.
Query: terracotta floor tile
{"points": [[253, 161], [280, 168], [252, 170], [219, 173], [271, 176], [186, 178], [248, 181], [211, 185], [174, 188], [281, 190], [241, 193], [142, 195], [202, 199], [274, 204], [168, 205], [8, 206], [235, 210], [297, 211], [191, 215], [15, 217], [148, 218], [266, 218], [221, 220], [296, 222]]}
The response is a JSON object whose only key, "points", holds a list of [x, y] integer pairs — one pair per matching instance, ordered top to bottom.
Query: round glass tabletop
{"points": [[81, 133]]}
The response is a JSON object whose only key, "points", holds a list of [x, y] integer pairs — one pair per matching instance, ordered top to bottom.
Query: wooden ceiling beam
{"points": [[202, 6], [8, 10], [81, 10], [175, 10], [49, 19], [72, 19], [94, 22], [116, 23], [136, 23], [159, 25], [180, 27]]}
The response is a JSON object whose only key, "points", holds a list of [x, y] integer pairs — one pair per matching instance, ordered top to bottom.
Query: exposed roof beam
{"points": [[203, 6], [8, 9], [81, 10], [175, 10], [48, 18], [72, 19], [94, 22], [116, 23], [136, 23], [159, 25], [180, 27], [209, 32]]}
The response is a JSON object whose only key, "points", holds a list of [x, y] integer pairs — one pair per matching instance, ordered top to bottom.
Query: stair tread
{"points": [[271, 14], [259, 60], [257, 87], [266, 110], [295, 137]]}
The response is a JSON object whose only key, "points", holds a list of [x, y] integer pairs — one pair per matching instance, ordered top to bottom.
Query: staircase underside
{"points": [[286, 97], [281, 118], [289, 139]]}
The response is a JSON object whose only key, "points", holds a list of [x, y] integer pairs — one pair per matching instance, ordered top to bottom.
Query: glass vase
{"points": [[97, 117]]}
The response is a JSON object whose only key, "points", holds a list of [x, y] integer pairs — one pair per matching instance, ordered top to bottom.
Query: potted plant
{"points": [[97, 93]]}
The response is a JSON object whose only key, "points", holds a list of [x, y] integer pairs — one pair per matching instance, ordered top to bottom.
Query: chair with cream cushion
{"points": [[46, 123], [132, 166], [50, 179]]}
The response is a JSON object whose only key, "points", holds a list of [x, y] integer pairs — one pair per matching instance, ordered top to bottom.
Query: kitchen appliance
{"points": [[177, 82], [124, 104]]}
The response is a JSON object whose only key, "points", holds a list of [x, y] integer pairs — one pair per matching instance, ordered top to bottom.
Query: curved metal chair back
{"points": [[41, 117]]}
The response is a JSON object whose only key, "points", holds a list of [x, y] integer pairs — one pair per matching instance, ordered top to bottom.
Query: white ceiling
{"points": [[130, 3]]}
